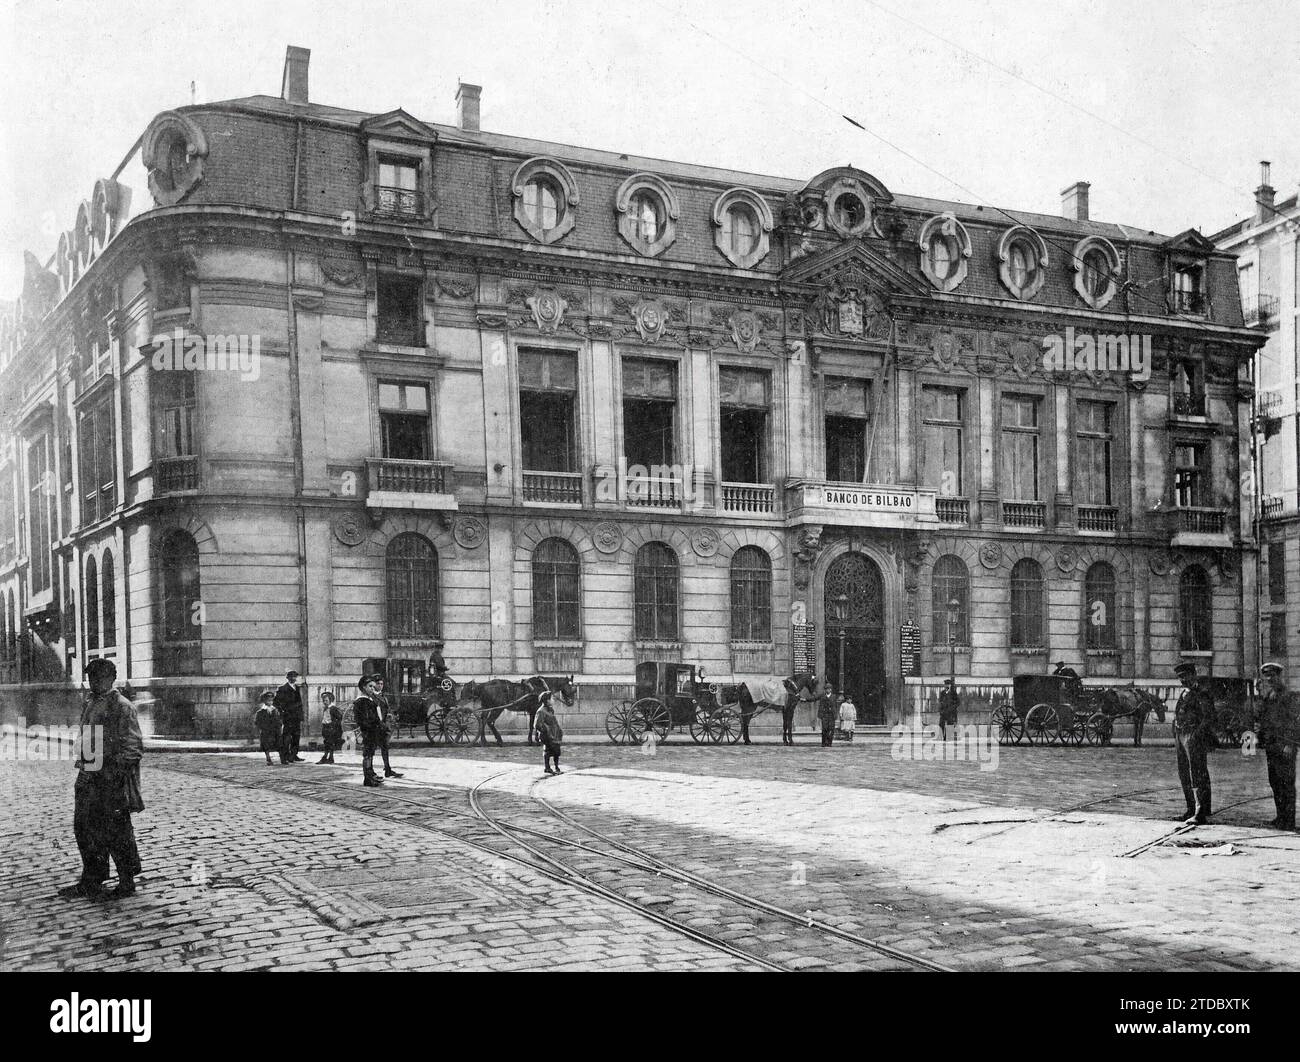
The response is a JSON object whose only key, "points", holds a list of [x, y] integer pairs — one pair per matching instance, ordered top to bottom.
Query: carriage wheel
{"points": [[653, 715], [461, 725], [621, 725], [729, 725], [1042, 725], [435, 726], [704, 726], [1010, 728], [1098, 728], [1074, 733]]}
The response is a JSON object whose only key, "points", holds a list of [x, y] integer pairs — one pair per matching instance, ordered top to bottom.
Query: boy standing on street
{"points": [[269, 728], [549, 733]]}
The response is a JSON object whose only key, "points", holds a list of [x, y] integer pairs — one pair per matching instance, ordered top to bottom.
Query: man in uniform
{"points": [[437, 665], [288, 700], [949, 703], [828, 710], [1193, 719], [1279, 732], [108, 788]]}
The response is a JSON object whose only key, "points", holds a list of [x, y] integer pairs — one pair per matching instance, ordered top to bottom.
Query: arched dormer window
{"points": [[545, 199], [647, 209], [742, 221], [945, 251], [1022, 257], [1095, 265]]}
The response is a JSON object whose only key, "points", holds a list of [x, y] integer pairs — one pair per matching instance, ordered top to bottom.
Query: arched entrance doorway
{"points": [[854, 610]]}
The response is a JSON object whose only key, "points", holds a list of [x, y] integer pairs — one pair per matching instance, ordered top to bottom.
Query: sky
{"points": [[1165, 107]]}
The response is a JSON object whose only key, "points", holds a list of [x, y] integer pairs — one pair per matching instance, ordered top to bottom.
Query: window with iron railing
{"points": [[398, 189], [1189, 294], [98, 463], [1189, 475], [411, 578], [557, 591], [655, 593], [751, 595], [1026, 605], [1100, 619], [1195, 630]]}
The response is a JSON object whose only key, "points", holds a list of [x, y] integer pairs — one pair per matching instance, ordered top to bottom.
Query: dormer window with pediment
{"points": [[399, 171], [545, 199], [647, 209], [742, 221], [945, 251], [1022, 258], [1188, 292]]}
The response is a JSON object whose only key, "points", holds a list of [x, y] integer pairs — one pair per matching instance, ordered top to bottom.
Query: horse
{"points": [[793, 689], [499, 695], [1132, 700]]}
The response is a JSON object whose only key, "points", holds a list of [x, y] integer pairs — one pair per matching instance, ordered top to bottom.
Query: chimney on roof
{"points": [[293, 87], [467, 100], [1264, 196], [1074, 201]]}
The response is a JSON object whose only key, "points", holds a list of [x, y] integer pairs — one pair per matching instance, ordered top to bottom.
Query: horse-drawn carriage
{"points": [[672, 695], [1234, 708], [1059, 709]]}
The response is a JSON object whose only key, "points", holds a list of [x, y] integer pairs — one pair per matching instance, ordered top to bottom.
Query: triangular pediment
{"points": [[398, 125], [1191, 240], [853, 264]]}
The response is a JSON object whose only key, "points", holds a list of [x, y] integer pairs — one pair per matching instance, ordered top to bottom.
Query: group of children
{"points": [[270, 728]]}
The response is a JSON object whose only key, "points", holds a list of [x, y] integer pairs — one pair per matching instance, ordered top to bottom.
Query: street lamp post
{"points": [[953, 606], [840, 615]]}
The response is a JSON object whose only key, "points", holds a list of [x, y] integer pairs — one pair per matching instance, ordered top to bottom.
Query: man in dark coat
{"points": [[437, 665], [797, 684], [288, 701], [949, 703], [828, 710], [1193, 723], [1278, 727], [108, 787]]}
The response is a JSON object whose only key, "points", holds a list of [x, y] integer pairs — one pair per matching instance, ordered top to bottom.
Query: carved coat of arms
{"points": [[547, 308]]}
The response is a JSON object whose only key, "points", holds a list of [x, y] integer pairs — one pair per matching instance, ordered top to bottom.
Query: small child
{"points": [[848, 718], [547, 725], [331, 726], [269, 727]]}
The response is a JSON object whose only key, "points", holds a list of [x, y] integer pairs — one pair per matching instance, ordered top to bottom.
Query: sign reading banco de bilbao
{"points": [[864, 505]]}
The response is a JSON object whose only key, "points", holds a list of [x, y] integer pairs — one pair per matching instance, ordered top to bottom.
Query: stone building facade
{"points": [[1268, 268], [306, 387]]}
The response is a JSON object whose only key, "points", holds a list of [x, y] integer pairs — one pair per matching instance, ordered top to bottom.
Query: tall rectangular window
{"points": [[398, 187], [1189, 295], [400, 318], [1189, 388], [548, 390], [175, 405], [743, 405], [649, 412], [404, 421], [848, 427], [1094, 436], [941, 440], [98, 446], [1020, 447], [1189, 475], [40, 495], [8, 542], [1277, 573], [1277, 633]]}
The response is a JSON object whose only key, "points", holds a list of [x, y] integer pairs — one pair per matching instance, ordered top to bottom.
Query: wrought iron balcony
{"points": [[390, 200], [1189, 302], [1261, 311], [402, 330], [1189, 405], [1268, 405], [177, 474], [555, 488], [748, 497], [1271, 507], [952, 510], [1024, 513], [1097, 517]]}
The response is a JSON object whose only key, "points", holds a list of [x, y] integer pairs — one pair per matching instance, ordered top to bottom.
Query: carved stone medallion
{"points": [[547, 308], [651, 319], [744, 330], [349, 529], [469, 532], [607, 537], [705, 542], [990, 554], [1067, 557], [1160, 563]]}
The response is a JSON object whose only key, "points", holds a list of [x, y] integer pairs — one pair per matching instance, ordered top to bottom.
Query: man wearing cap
{"points": [[437, 665], [288, 701], [1193, 718], [1278, 727], [108, 787]]}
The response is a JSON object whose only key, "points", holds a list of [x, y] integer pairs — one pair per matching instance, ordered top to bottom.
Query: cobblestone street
{"points": [[935, 863]]}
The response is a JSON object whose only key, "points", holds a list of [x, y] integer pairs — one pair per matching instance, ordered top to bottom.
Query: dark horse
{"points": [[792, 688], [500, 695], [1131, 701]]}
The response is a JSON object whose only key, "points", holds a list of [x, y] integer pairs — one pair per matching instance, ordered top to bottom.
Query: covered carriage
{"points": [[671, 696], [1052, 710]]}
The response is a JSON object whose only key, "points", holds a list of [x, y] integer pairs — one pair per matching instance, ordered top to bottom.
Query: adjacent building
{"points": [[1268, 271], [305, 387]]}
